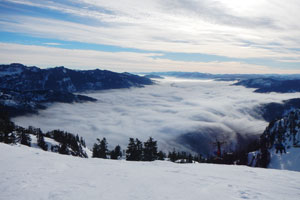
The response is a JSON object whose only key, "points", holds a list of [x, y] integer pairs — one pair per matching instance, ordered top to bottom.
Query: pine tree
{"points": [[6, 128], [25, 139], [82, 141], [41, 142], [63, 149], [103, 149], [96, 150], [100, 150], [131, 150], [134, 150], [139, 150], [150, 150], [116, 153], [161, 155], [173, 156], [264, 157], [190, 158]]}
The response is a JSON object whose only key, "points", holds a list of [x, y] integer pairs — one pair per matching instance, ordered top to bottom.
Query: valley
{"points": [[183, 114]]}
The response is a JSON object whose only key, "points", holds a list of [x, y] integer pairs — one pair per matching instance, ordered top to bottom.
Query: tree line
{"points": [[68, 143], [136, 150], [142, 151]]}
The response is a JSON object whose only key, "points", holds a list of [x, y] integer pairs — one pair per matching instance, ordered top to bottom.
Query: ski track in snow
{"points": [[30, 173]]}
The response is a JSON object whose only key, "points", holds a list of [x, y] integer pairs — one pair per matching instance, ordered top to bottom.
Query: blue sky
{"points": [[214, 36]]}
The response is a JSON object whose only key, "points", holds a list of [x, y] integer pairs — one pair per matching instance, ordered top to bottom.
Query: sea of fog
{"points": [[181, 114]]}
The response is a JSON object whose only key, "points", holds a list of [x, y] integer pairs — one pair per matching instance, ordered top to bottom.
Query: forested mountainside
{"points": [[22, 78], [266, 85], [26, 89], [23, 102], [273, 111], [280, 144]]}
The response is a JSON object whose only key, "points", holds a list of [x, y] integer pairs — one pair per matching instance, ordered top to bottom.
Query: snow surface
{"points": [[289, 160], [285, 161], [29, 173]]}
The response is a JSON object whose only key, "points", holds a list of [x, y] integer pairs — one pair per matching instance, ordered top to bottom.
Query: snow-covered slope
{"points": [[285, 133], [281, 141], [289, 161], [29, 173]]}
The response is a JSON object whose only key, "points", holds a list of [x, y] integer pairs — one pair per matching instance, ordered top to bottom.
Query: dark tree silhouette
{"points": [[6, 128], [24, 138], [41, 141], [63, 149], [100, 150], [131, 150], [134, 150], [150, 150], [116, 153], [161, 155]]}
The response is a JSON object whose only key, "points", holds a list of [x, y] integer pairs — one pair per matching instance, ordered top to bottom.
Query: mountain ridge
{"points": [[22, 78], [26, 89]]}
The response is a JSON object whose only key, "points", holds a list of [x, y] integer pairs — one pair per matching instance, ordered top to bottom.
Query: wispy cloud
{"points": [[234, 29], [52, 43], [119, 61]]}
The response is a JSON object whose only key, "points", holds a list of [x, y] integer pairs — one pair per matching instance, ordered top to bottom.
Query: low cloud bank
{"points": [[181, 114]]}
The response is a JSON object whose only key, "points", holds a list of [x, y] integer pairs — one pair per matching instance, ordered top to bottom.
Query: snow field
{"points": [[30, 173]]}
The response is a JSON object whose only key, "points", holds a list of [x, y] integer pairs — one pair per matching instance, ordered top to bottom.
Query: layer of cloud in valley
{"points": [[181, 114]]}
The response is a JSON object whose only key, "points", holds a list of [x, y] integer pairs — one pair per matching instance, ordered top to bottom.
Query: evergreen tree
{"points": [[6, 128], [25, 139], [82, 141], [41, 142], [63, 149], [100, 149], [103, 149], [96, 150], [131, 150], [134, 150], [139, 150], [150, 150], [116, 153], [161, 155], [173, 156], [264, 156], [190, 158]]}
